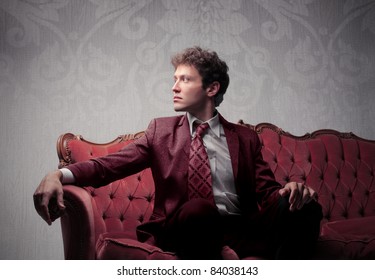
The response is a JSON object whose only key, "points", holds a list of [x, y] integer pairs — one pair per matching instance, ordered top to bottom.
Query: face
{"points": [[188, 94]]}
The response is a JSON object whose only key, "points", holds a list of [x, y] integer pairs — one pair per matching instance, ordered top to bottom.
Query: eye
{"points": [[182, 78]]}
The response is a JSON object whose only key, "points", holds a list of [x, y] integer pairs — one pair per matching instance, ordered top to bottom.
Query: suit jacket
{"points": [[165, 148]]}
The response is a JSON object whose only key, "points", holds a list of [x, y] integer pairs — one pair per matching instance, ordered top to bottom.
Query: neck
{"points": [[205, 114]]}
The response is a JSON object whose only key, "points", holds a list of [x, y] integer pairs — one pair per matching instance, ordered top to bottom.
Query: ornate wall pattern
{"points": [[101, 68]]}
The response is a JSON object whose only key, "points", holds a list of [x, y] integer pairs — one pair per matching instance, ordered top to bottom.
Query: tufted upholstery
{"points": [[340, 167], [116, 208], [100, 223]]}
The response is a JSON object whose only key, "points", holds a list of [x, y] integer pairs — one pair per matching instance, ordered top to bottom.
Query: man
{"points": [[236, 202]]}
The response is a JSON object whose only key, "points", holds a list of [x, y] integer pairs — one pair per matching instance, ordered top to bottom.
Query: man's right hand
{"points": [[48, 197]]}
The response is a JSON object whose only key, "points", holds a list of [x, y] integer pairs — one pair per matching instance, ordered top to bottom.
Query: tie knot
{"points": [[201, 128]]}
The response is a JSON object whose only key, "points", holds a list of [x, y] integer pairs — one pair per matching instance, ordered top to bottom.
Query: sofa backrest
{"points": [[339, 166]]}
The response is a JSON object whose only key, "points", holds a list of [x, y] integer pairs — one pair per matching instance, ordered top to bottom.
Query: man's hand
{"points": [[299, 194], [48, 197]]}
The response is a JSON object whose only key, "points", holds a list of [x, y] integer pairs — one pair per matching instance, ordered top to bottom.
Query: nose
{"points": [[175, 87]]}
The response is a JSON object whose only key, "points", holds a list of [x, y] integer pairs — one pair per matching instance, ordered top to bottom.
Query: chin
{"points": [[179, 109]]}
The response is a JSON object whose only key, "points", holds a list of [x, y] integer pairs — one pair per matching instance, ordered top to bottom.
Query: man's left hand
{"points": [[299, 194]]}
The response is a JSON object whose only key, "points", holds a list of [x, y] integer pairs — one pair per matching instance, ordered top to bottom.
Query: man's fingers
{"points": [[284, 192], [295, 194], [299, 195], [308, 195], [315, 196], [48, 197], [306, 198], [60, 201], [56, 207], [42, 208]]}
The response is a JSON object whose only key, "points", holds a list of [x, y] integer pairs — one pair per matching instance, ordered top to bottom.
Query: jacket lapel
{"points": [[183, 134], [233, 144]]}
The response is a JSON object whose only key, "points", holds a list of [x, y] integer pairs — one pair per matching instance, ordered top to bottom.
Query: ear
{"points": [[213, 89]]}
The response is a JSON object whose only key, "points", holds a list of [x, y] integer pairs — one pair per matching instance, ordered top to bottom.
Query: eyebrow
{"points": [[183, 76]]}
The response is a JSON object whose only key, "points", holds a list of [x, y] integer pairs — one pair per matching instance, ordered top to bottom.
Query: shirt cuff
{"points": [[67, 176]]}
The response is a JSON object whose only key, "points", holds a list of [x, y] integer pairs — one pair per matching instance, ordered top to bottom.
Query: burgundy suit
{"points": [[165, 148]]}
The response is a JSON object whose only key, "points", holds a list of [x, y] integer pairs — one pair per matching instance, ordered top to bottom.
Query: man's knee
{"points": [[198, 211], [311, 211], [312, 215], [196, 230]]}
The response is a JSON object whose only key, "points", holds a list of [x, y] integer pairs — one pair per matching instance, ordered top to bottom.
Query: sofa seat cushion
{"points": [[347, 239], [122, 246]]}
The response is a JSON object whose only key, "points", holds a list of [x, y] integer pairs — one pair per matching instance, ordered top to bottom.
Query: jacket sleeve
{"points": [[103, 170], [266, 185]]}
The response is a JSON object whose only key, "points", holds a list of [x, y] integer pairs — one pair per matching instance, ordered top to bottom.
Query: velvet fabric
{"points": [[340, 168]]}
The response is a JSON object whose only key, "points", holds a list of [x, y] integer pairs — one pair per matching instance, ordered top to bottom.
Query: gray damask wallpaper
{"points": [[101, 68]]}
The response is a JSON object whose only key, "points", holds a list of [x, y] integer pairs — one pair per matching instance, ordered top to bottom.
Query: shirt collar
{"points": [[214, 123]]}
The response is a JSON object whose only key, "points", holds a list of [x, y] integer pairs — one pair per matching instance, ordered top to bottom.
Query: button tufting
{"points": [[130, 197], [149, 198], [362, 212], [141, 218]]}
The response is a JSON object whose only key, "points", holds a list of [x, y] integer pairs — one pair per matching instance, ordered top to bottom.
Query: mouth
{"points": [[176, 98]]}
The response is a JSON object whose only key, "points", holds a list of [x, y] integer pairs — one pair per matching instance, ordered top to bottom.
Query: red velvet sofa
{"points": [[100, 223]]}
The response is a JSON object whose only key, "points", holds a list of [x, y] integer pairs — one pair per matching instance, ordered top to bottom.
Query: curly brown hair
{"points": [[209, 65]]}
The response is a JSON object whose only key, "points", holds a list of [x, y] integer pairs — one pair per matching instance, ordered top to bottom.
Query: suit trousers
{"points": [[198, 231], [275, 232]]}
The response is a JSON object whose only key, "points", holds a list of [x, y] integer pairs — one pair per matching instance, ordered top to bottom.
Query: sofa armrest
{"points": [[77, 224]]}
